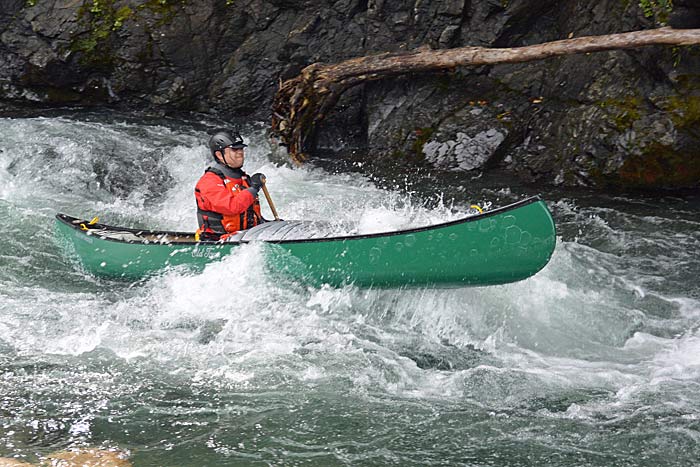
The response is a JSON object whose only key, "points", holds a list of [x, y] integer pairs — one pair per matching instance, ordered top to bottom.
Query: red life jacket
{"points": [[224, 205]]}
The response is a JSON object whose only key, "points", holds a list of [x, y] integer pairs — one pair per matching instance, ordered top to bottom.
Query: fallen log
{"points": [[302, 102]]}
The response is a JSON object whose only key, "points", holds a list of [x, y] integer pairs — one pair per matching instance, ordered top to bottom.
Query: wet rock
{"points": [[590, 120], [467, 140], [464, 152], [210, 329], [86, 457], [8, 462]]}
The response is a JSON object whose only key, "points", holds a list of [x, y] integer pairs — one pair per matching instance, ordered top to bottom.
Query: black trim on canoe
{"points": [[75, 223]]}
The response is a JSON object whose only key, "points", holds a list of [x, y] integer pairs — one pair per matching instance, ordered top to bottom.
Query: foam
{"points": [[584, 323]]}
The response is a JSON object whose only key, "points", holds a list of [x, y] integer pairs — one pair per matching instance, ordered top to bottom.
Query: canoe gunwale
{"points": [[70, 221]]}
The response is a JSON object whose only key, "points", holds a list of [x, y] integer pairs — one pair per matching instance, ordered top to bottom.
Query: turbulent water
{"points": [[594, 361]]}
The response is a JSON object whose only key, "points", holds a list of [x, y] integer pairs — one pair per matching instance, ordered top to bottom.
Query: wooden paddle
{"points": [[269, 200]]}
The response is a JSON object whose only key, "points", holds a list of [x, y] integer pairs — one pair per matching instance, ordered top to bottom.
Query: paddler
{"points": [[227, 197]]}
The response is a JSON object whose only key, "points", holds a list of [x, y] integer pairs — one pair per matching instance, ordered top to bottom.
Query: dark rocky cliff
{"points": [[622, 119]]}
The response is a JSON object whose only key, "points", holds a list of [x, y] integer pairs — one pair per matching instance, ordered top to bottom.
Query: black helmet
{"points": [[225, 138]]}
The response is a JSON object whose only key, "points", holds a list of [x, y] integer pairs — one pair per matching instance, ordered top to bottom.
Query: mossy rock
{"points": [[684, 111], [623, 113], [661, 166]]}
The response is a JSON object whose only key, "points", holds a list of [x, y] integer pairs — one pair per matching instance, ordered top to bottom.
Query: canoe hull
{"points": [[497, 247]]}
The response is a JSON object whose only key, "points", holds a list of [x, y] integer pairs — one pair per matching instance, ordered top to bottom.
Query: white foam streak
{"points": [[64, 324], [680, 360]]}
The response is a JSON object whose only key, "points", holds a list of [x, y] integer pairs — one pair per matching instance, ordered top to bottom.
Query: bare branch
{"points": [[304, 101]]}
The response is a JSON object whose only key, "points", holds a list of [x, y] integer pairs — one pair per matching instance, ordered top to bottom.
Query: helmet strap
{"points": [[221, 161]]}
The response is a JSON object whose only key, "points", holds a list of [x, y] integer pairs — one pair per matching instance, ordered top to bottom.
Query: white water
{"points": [[602, 344]]}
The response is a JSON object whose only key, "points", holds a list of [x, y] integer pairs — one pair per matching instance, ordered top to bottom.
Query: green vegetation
{"points": [[165, 10], [659, 10], [122, 15], [104, 18], [689, 82], [684, 111], [623, 112], [657, 165]]}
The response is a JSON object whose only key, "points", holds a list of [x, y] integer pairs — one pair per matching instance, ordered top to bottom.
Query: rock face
{"points": [[620, 119]]}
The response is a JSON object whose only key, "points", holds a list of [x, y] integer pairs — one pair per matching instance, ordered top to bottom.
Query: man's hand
{"points": [[256, 180]]}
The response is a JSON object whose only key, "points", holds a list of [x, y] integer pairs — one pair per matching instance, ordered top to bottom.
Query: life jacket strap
{"points": [[210, 214]]}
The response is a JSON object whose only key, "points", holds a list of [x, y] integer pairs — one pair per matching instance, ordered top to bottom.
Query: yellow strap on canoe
{"points": [[481, 211], [92, 222]]}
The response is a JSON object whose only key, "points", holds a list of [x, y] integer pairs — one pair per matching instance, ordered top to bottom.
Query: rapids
{"points": [[594, 361]]}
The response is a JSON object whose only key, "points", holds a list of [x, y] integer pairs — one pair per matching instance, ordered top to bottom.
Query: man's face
{"points": [[234, 158]]}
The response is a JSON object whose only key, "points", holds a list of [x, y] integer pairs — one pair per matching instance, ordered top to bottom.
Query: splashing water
{"points": [[593, 361]]}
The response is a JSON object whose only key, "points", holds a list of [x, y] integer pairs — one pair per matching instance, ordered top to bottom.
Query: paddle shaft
{"points": [[269, 201]]}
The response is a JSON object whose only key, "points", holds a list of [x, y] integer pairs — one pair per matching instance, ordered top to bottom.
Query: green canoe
{"points": [[496, 247]]}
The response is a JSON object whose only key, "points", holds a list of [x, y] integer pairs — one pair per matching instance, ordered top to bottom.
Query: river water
{"points": [[594, 361]]}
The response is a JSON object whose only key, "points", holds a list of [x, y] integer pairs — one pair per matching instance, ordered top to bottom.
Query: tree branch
{"points": [[304, 101]]}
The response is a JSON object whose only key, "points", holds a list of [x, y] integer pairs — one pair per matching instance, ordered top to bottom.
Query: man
{"points": [[227, 198]]}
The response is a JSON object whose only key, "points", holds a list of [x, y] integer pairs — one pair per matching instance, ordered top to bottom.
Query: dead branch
{"points": [[304, 101]]}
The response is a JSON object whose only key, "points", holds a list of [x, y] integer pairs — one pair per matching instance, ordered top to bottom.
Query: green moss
{"points": [[165, 10], [658, 10], [121, 15], [103, 19], [688, 82], [684, 111], [623, 112], [658, 165], [661, 166]]}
